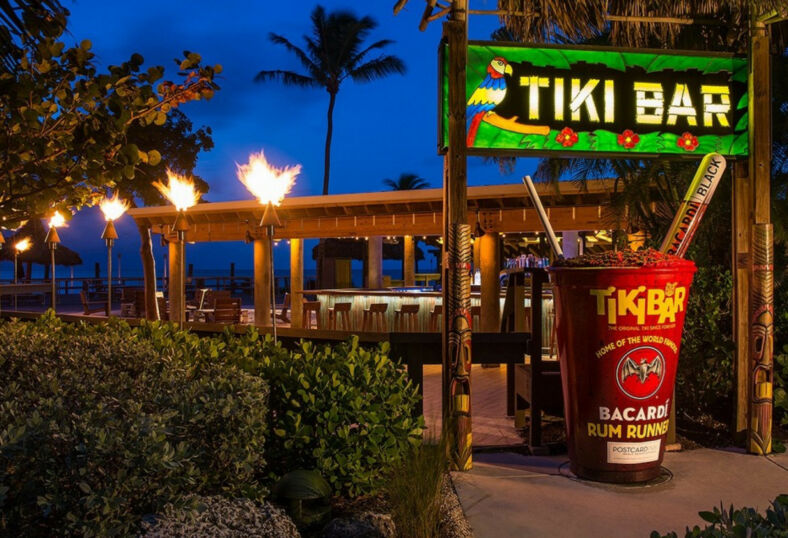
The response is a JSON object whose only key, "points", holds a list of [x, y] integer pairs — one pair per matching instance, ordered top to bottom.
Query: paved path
{"points": [[510, 495]]}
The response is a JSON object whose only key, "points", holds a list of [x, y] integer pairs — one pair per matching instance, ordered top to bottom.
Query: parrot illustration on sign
{"points": [[487, 95]]}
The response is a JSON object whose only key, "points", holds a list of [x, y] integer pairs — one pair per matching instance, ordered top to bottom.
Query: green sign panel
{"points": [[572, 100]]}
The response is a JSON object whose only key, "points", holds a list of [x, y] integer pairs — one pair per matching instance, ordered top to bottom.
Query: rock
{"points": [[222, 518], [382, 522], [453, 523], [349, 528]]}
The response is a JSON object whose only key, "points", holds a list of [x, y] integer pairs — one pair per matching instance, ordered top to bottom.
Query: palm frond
{"points": [[302, 56], [358, 57], [378, 68], [289, 78]]}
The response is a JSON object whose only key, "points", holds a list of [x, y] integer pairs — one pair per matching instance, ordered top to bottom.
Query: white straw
{"points": [[543, 217]]}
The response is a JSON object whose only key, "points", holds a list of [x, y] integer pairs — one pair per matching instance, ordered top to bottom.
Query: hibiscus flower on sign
{"points": [[567, 137], [628, 139], [687, 141]]}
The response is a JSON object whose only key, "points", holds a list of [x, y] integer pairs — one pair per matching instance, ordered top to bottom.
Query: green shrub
{"points": [[781, 351], [704, 384], [343, 410], [100, 424], [735, 523]]}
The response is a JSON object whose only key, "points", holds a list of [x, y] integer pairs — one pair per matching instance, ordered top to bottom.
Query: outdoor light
{"points": [[269, 185], [181, 193], [112, 208], [53, 240], [20, 246]]}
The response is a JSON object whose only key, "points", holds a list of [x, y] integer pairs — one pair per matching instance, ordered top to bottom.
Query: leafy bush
{"points": [[781, 352], [704, 384], [344, 410], [100, 424], [734, 523]]}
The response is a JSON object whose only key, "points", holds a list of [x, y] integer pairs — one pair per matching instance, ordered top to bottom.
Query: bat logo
{"points": [[642, 369], [640, 372]]}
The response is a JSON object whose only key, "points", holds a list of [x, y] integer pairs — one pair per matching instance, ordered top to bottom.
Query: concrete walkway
{"points": [[510, 495]]}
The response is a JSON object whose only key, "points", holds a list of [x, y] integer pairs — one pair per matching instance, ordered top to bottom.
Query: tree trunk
{"points": [[329, 131], [148, 273]]}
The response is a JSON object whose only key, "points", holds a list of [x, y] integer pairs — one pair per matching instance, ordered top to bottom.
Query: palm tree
{"points": [[335, 52], [406, 182]]}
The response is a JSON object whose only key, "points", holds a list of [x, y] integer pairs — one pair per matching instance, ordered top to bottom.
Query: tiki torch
{"points": [[269, 185], [181, 192], [697, 199], [112, 208], [53, 240], [19, 247]]}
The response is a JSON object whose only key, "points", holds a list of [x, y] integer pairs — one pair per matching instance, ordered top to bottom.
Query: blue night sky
{"points": [[381, 129]]}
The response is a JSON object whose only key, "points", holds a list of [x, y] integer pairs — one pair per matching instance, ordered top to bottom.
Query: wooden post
{"points": [[741, 231], [477, 254], [458, 258], [409, 261], [375, 262], [761, 274], [262, 281], [296, 281], [491, 289], [173, 293], [761, 340]]}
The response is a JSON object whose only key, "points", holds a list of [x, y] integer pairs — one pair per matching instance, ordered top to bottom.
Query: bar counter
{"points": [[395, 298]]}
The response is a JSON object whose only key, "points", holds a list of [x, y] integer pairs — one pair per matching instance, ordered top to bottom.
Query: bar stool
{"points": [[340, 312], [437, 312], [306, 313], [476, 316], [375, 318], [406, 318]]}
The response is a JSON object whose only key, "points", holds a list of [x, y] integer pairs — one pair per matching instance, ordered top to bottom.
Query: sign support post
{"points": [[456, 323], [757, 348]]}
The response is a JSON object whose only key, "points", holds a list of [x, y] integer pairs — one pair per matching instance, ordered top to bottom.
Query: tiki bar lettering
{"points": [[596, 99], [640, 302]]}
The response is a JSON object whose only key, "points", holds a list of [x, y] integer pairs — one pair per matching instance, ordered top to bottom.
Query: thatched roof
{"points": [[690, 24], [356, 249], [39, 251]]}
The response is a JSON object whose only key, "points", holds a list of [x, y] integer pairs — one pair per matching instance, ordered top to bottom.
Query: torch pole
{"points": [[52, 247], [16, 273], [182, 276], [109, 278], [273, 281]]}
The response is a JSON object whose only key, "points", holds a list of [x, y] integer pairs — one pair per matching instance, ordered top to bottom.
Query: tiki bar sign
{"points": [[540, 100]]}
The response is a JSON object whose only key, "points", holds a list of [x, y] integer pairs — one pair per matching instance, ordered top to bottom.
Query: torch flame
{"points": [[267, 183], [179, 191], [113, 207], [57, 220], [23, 244]]}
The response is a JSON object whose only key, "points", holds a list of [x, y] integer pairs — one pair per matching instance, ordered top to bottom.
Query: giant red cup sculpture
{"points": [[619, 319]]}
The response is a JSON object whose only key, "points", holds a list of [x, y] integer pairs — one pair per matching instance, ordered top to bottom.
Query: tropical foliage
{"points": [[336, 51], [64, 133], [406, 181], [345, 410], [101, 424], [735, 522]]}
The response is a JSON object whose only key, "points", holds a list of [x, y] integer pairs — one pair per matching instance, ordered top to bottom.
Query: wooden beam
{"points": [[511, 220], [408, 261], [375, 262], [296, 281], [490, 317]]}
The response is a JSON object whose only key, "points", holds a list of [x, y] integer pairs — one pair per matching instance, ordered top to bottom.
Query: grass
{"points": [[414, 489]]}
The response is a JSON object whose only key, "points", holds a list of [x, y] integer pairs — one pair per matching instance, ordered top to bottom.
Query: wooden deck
{"points": [[491, 426]]}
